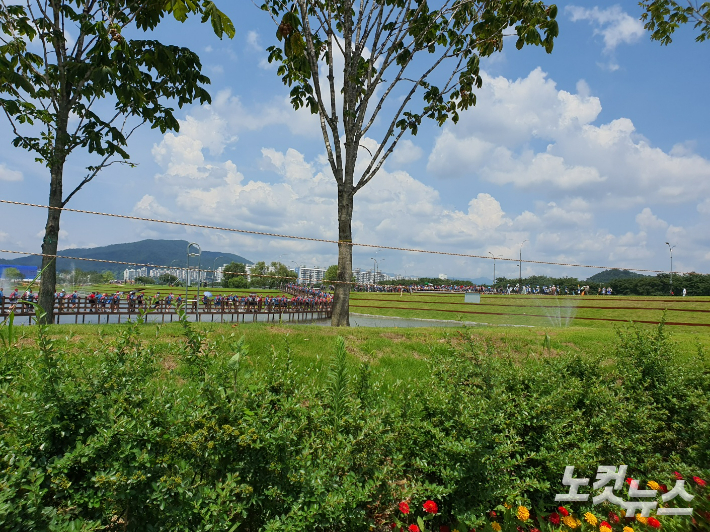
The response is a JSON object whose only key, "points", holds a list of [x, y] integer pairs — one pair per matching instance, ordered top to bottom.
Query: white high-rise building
{"points": [[130, 274], [312, 275]]}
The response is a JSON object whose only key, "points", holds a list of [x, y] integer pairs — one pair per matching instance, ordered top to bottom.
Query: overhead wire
{"points": [[327, 241]]}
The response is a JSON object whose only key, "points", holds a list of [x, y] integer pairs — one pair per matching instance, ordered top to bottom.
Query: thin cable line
{"points": [[322, 240]]}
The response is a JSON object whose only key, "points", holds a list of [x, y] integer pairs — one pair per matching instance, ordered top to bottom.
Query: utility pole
{"points": [[670, 248], [214, 264], [494, 269], [520, 273]]}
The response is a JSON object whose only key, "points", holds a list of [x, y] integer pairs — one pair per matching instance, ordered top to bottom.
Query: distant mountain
{"points": [[158, 252], [612, 275]]}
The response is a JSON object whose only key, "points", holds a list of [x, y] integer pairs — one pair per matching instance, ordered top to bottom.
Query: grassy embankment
{"points": [[156, 427]]}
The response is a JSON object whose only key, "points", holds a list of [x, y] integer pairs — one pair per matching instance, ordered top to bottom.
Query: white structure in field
{"points": [[443, 277]]}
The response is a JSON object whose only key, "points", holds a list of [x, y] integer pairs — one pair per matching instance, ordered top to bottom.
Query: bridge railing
{"points": [[225, 310]]}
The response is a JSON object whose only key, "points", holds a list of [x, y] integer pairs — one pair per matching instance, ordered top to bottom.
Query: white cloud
{"points": [[613, 24], [253, 41], [214, 127], [406, 153], [610, 163], [9, 175], [148, 207], [394, 207], [704, 207], [648, 221]]}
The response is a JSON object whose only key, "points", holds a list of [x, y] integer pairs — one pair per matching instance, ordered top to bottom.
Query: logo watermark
{"points": [[610, 479]]}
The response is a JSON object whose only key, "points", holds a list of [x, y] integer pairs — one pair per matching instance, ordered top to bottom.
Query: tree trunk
{"points": [[48, 285], [341, 300]]}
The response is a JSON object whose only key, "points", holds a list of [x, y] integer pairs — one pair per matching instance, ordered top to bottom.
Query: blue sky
{"points": [[598, 153]]}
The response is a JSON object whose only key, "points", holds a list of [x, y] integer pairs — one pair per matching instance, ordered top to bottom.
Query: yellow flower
{"points": [[653, 485], [508, 506], [523, 513], [590, 518], [641, 519], [570, 521], [495, 526], [604, 528], [628, 529]]}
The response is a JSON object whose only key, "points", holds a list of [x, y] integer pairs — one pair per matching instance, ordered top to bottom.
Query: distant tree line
{"points": [[262, 275], [427, 280], [696, 284]]}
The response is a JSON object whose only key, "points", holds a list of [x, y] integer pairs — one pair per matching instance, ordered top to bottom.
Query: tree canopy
{"points": [[663, 17], [402, 61], [92, 92], [13, 274]]}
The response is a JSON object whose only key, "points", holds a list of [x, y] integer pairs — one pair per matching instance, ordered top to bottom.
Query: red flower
{"points": [[678, 476], [629, 480], [699, 481], [663, 487], [404, 507], [430, 507], [563, 511], [492, 514], [554, 518], [613, 518], [655, 523], [604, 524], [393, 525], [413, 528], [444, 528], [534, 530]]}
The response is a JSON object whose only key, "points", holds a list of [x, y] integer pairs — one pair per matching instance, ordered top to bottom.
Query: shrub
{"points": [[115, 439]]}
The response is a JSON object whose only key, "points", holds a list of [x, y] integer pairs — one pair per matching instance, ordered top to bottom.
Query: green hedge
{"points": [[125, 438]]}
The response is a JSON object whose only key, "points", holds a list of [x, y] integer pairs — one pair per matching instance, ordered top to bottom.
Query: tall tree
{"points": [[663, 17], [403, 61], [56, 99], [13, 274], [234, 275]]}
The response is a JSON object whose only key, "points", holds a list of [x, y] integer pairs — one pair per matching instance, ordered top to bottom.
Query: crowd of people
{"points": [[411, 288], [554, 290], [98, 302]]}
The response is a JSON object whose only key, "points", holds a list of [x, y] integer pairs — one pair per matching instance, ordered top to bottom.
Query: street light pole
{"points": [[670, 249], [214, 263], [171, 265], [494, 269], [187, 270], [374, 271], [520, 273]]}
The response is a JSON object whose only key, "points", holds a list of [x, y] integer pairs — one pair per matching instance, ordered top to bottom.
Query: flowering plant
{"points": [[601, 518], [604, 519], [405, 520]]}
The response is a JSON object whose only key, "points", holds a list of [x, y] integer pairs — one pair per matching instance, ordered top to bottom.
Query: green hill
{"points": [[157, 252], [612, 275]]}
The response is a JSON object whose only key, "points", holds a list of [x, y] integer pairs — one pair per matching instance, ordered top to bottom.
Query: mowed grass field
{"points": [[688, 314], [396, 355]]}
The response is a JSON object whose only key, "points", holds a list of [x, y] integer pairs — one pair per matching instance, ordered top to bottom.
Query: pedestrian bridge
{"points": [[86, 311]]}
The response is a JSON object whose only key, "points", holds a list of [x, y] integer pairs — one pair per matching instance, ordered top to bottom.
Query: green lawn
{"points": [[540, 311], [395, 354], [182, 427]]}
